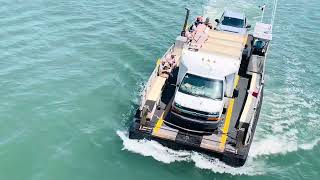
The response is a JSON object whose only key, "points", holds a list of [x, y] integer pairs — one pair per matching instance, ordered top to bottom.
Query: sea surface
{"points": [[72, 71]]}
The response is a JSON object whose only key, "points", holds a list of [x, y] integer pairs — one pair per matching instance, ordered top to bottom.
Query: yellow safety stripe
{"points": [[158, 62], [159, 124], [226, 125]]}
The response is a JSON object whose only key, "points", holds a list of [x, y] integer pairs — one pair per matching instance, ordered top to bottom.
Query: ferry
{"points": [[205, 93]]}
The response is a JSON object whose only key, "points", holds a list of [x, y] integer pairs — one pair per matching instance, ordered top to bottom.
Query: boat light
{"points": [[255, 94]]}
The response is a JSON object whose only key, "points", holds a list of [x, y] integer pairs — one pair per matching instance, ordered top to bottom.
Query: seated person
{"points": [[171, 60], [167, 64], [164, 69]]}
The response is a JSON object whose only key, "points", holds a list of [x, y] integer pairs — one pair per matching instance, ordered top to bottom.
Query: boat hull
{"points": [[188, 141], [229, 158]]}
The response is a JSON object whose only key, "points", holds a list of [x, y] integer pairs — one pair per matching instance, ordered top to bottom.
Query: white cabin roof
{"points": [[225, 43], [218, 56], [215, 66]]}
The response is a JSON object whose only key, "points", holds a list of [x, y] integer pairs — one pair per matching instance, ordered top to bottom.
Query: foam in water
{"points": [[276, 144], [271, 145], [153, 149], [166, 155]]}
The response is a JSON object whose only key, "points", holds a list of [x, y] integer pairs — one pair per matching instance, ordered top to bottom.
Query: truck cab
{"points": [[233, 22], [203, 88], [198, 103]]}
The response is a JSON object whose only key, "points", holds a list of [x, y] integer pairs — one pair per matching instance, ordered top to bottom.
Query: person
{"points": [[198, 21], [207, 23], [245, 52], [172, 61], [244, 61], [167, 64]]}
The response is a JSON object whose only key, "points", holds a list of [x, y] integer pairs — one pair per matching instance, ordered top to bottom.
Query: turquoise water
{"points": [[71, 74]]}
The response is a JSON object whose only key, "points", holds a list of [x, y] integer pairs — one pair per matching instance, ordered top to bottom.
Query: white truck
{"points": [[233, 22], [205, 80]]}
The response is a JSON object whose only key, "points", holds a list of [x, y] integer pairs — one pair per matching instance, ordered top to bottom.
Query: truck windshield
{"points": [[234, 22], [203, 87]]}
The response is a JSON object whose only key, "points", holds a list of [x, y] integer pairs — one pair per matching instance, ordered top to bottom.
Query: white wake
{"points": [[272, 145], [166, 155], [254, 165]]}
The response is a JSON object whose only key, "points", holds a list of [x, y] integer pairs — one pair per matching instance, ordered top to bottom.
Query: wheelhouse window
{"points": [[234, 22], [202, 87]]}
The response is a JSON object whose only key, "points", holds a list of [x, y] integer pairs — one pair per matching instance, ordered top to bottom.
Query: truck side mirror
{"points": [[217, 21], [248, 26]]}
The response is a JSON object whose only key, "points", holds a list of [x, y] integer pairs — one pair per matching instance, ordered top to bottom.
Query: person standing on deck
{"points": [[198, 21], [245, 52], [245, 61]]}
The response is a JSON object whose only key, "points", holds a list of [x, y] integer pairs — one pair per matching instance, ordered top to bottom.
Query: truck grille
{"points": [[193, 111]]}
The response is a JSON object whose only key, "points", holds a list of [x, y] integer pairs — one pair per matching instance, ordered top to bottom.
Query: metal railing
{"points": [[153, 75], [253, 116]]}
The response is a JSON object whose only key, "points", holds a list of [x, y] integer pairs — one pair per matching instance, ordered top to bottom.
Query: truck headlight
{"points": [[215, 114]]}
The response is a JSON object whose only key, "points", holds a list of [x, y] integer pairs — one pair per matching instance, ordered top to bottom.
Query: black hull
{"points": [[230, 158]]}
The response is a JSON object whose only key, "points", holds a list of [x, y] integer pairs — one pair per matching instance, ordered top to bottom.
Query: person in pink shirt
{"points": [[167, 64]]}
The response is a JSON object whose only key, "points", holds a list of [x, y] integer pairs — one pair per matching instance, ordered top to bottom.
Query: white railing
{"points": [[264, 63], [154, 74], [253, 115]]}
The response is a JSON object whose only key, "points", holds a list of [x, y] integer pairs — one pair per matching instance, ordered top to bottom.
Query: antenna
{"points": [[183, 32]]}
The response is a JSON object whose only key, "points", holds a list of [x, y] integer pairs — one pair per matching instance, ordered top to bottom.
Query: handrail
{"points": [[154, 73], [253, 115]]}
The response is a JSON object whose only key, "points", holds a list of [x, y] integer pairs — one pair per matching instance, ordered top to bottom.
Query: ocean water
{"points": [[71, 72]]}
